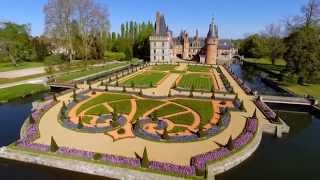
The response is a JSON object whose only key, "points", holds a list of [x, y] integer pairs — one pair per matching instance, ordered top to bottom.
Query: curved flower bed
{"points": [[140, 132], [200, 161], [168, 167]]}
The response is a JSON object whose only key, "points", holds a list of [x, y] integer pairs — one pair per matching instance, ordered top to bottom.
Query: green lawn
{"points": [[280, 62], [8, 66], [164, 67], [193, 68], [82, 73], [145, 79], [10, 80], [197, 81], [311, 89], [18, 91], [106, 97], [143, 105], [122, 107], [203, 108], [169, 109], [97, 110], [86, 119], [184, 119], [177, 129]]}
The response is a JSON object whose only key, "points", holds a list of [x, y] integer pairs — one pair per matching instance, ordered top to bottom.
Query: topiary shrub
{"points": [[117, 83], [132, 84], [151, 85], [106, 88], [124, 89], [140, 92], [55, 97], [31, 120], [80, 123], [121, 131], [53, 145], [97, 156], [145, 160]]}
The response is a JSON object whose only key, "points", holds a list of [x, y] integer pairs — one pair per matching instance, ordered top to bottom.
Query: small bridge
{"points": [[61, 85], [286, 100]]}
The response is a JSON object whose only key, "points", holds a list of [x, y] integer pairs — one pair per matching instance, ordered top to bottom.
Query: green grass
{"points": [[280, 62], [8, 66], [164, 67], [193, 68], [82, 73], [145, 79], [10, 80], [197, 81], [311, 89], [7, 94], [106, 97], [143, 105], [123, 107], [203, 108], [169, 109], [97, 110], [86, 119], [185, 119], [177, 129]]}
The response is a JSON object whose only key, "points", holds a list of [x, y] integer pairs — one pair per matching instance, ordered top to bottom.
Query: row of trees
{"points": [[133, 40], [296, 40]]}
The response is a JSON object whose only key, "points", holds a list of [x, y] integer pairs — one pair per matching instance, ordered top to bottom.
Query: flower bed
{"points": [[266, 110], [200, 161], [172, 168]]}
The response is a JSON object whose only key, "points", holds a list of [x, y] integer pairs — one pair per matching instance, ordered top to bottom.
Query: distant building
{"points": [[209, 50]]}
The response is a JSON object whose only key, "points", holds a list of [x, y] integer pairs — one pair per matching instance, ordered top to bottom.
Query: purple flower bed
{"points": [[244, 87], [266, 110], [251, 125], [242, 140], [75, 152], [121, 160], [199, 161], [172, 168]]}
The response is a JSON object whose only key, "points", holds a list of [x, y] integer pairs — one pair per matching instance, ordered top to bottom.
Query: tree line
{"points": [[74, 30], [295, 39]]}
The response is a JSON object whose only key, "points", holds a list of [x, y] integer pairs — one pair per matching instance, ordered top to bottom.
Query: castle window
{"points": [[155, 44], [162, 44], [154, 51], [162, 51], [154, 57], [162, 57]]}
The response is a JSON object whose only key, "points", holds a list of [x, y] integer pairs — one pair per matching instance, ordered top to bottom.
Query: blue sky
{"points": [[234, 17]]}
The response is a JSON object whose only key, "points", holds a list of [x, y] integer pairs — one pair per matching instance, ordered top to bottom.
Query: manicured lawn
{"points": [[280, 62], [8, 66], [164, 67], [193, 68], [82, 73], [145, 79], [10, 80], [197, 81], [311, 89], [14, 92], [106, 97], [143, 105], [122, 107], [203, 108], [169, 109], [97, 110], [86, 119], [185, 119], [177, 129]]}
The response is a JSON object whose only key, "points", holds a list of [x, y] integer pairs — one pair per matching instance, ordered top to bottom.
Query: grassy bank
{"points": [[279, 62], [8, 66], [311, 89], [11, 93]]}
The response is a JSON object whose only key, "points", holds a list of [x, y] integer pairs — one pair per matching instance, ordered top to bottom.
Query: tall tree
{"points": [[311, 12], [14, 41], [275, 47]]}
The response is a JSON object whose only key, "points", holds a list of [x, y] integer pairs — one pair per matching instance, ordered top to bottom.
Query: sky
{"points": [[235, 18]]}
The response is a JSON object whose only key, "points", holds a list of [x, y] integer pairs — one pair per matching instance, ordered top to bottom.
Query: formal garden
{"points": [[122, 115]]}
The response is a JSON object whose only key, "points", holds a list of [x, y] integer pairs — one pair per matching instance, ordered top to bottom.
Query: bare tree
{"points": [[311, 12], [58, 21]]}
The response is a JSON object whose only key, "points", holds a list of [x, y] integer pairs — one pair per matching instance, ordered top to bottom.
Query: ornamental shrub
{"points": [[117, 83], [101, 84], [132, 84], [151, 85], [106, 88], [124, 89], [140, 92], [191, 93], [169, 94], [55, 97], [31, 120], [80, 123], [121, 131], [230, 144], [53, 146], [97, 156], [145, 160]]}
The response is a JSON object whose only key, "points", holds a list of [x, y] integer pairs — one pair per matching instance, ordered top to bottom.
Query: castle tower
{"points": [[212, 44], [186, 45]]}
